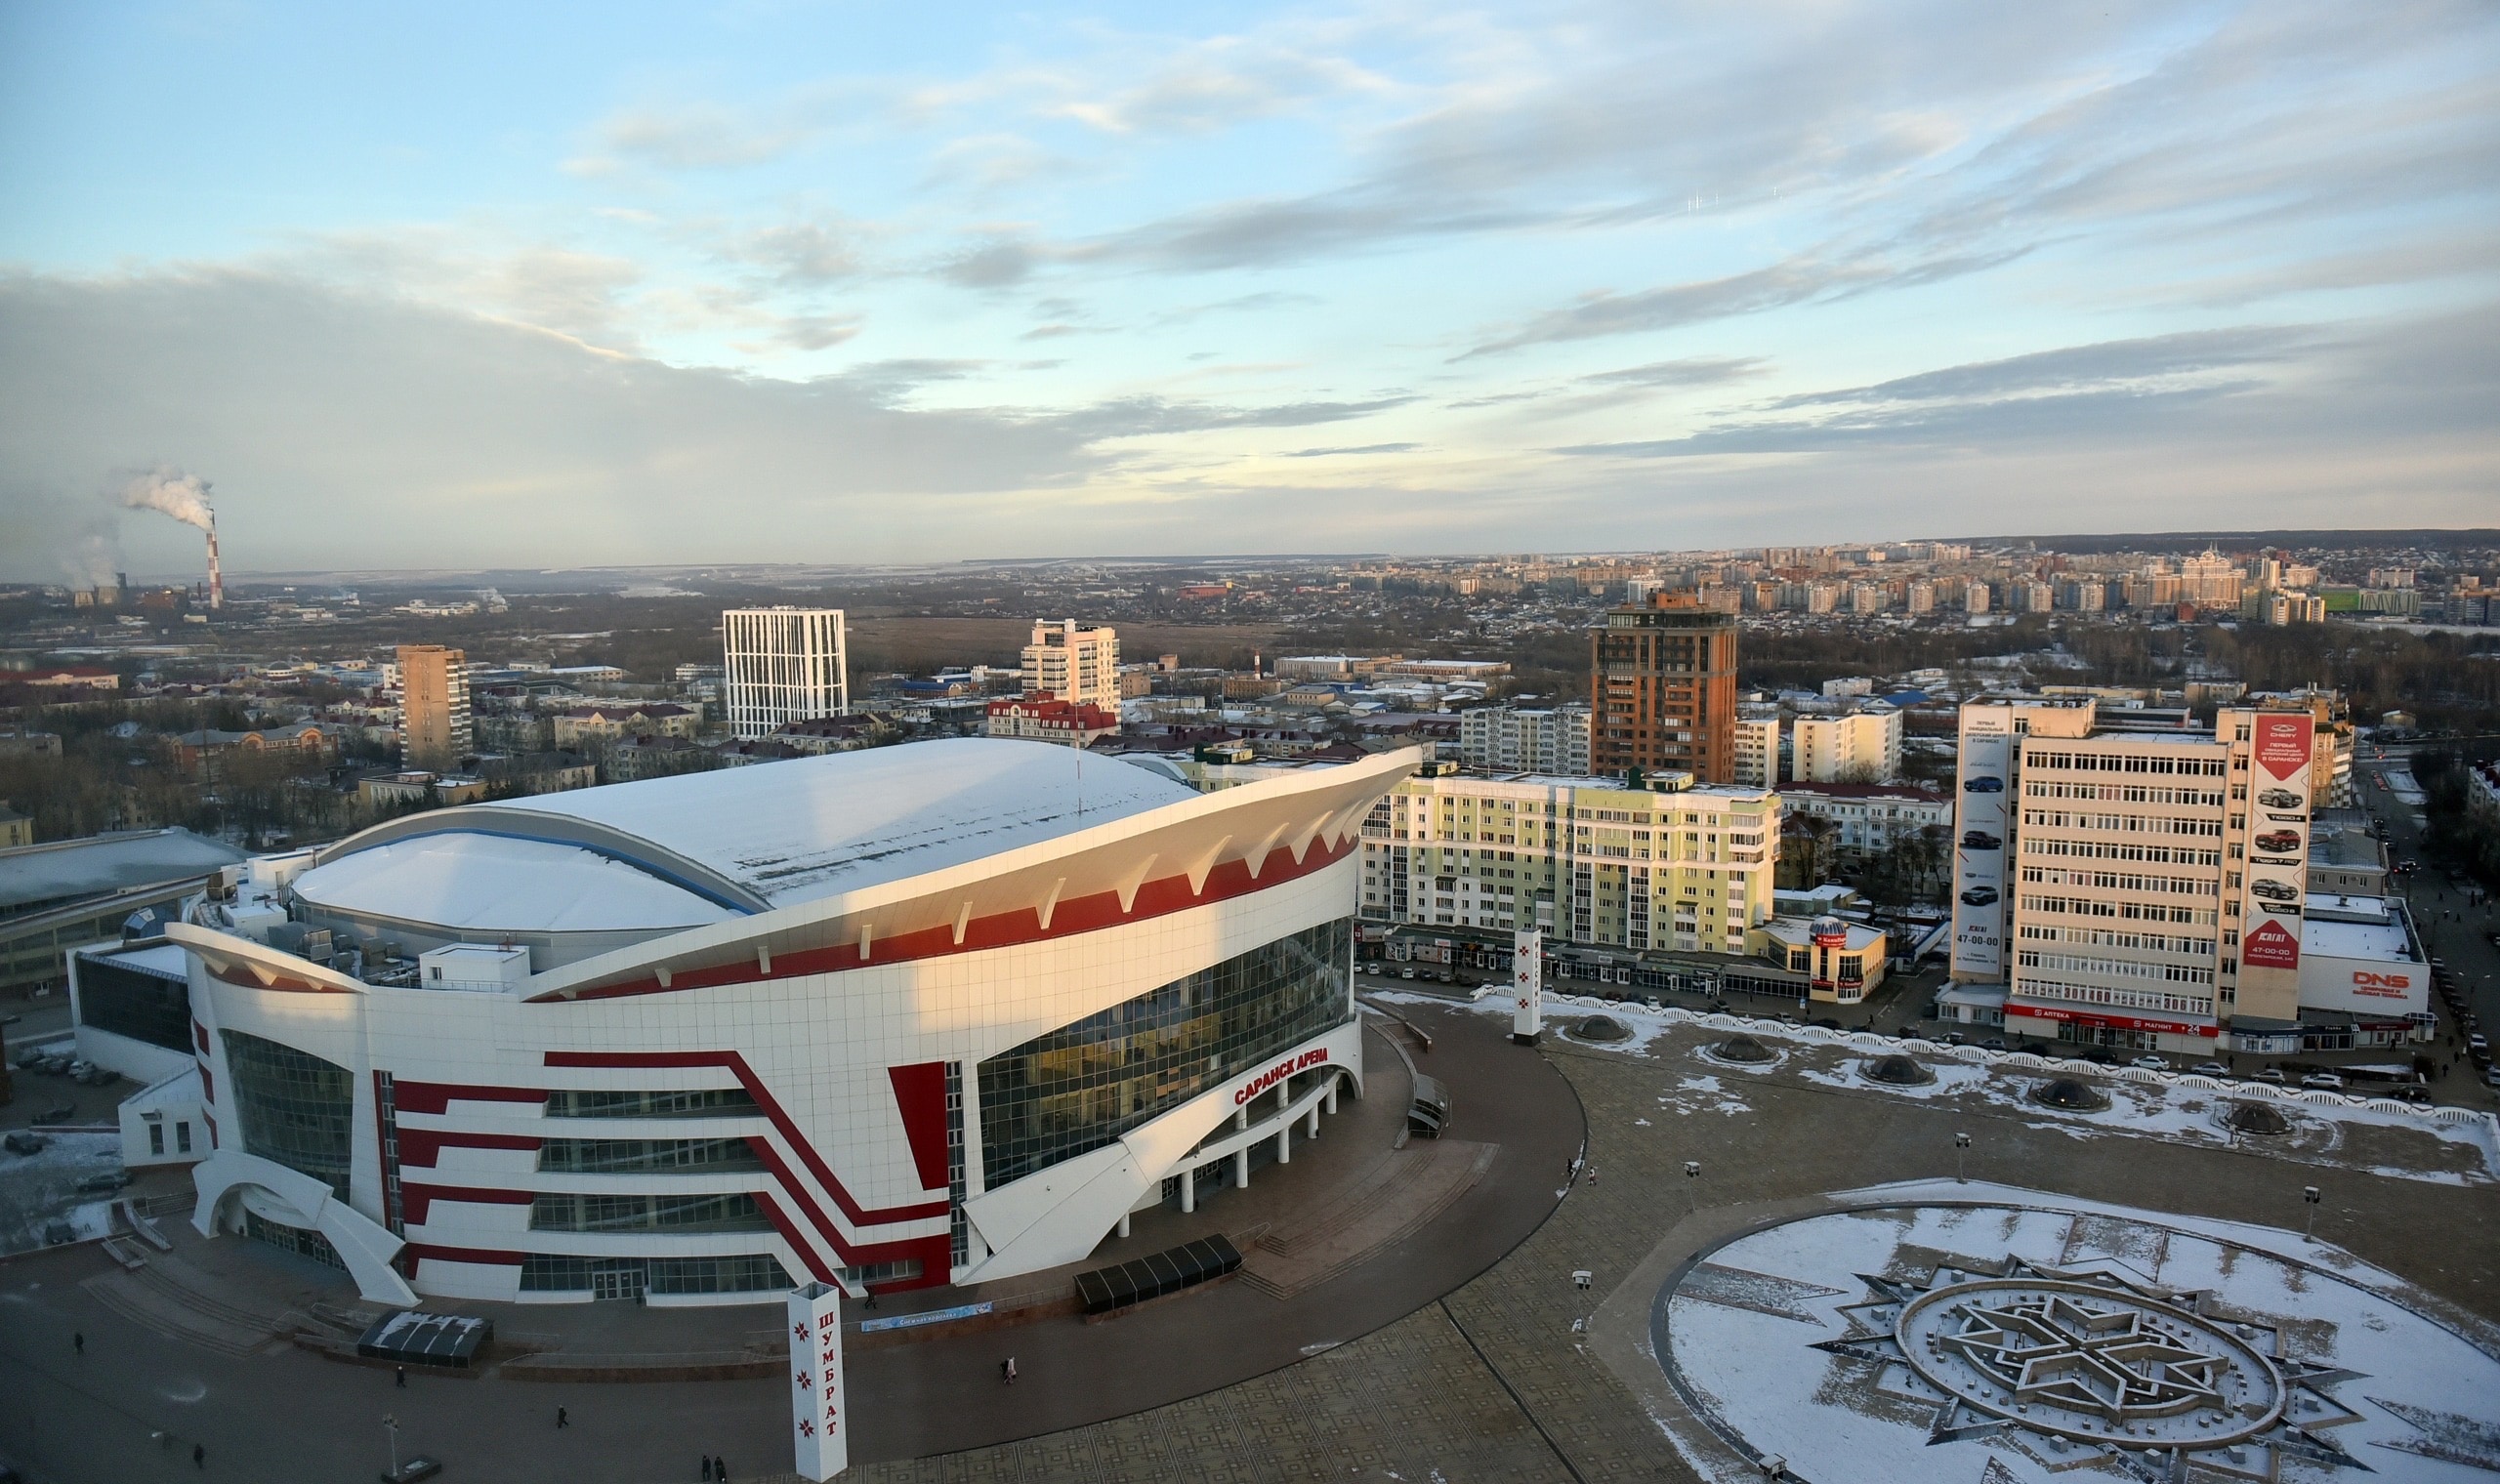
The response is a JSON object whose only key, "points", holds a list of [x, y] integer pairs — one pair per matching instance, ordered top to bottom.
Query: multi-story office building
{"points": [[1070, 662], [783, 665], [1663, 688], [433, 705], [1516, 739], [1756, 739], [1863, 746], [1686, 869], [2151, 890]]}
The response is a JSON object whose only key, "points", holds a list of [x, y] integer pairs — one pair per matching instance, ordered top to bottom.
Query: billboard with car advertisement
{"points": [[1983, 809], [2274, 842]]}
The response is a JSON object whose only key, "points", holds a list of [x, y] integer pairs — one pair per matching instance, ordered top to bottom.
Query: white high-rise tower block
{"points": [[783, 665]]}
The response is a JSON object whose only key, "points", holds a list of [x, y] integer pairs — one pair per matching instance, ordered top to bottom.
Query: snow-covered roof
{"points": [[733, 841], [33, 877], [490, 882], [2383, 940]]}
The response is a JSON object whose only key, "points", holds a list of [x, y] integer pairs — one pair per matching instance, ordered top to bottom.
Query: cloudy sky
{"points": [[442, 285]]}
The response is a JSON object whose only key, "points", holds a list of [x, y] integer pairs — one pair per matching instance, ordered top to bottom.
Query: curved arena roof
{"points": [[700, 848]]}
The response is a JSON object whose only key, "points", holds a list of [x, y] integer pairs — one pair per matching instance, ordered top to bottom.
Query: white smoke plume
{"points": [[169, 490], [93, 558]]}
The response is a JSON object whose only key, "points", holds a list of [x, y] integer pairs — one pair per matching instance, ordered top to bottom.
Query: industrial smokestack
{"points": [[184, 497]]}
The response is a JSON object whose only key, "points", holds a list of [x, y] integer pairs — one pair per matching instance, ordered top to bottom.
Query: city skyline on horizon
{"points": [[702, 289]]}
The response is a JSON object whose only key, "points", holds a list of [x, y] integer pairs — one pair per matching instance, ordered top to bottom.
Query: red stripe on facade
{"points": [[1004, 929], [199, 1035], [207, 1083], [920, 1094], [439, 1096], [788, 1128], [423, 1147], [416, 1200], [789, 1231], [417, 1252]]}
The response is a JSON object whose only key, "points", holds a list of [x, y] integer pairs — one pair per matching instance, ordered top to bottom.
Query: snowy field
{"points": [[2375, 1135], [38, 1189]]}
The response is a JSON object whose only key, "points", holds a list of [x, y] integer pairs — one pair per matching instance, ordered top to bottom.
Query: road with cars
{"points": [[2457, 922]]}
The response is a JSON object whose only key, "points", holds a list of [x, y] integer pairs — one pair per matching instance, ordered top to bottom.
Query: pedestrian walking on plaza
{"points": [[78, 1342], [1007, 1369], [402, 1382], [562, 1420], [199, 1456], [707, 1465], [721, 1469]]}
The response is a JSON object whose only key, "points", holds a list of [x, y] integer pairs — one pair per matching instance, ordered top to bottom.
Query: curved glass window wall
{"points": [[1084, 1085], [296, 1108], [647, 1212]]}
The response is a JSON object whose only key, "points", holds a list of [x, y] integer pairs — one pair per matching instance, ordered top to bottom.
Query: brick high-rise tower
{"points": [[1663, 682]]}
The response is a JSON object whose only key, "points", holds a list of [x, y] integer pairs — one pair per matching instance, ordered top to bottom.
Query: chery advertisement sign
{"points": [[2283, 745], [2270, 946]]}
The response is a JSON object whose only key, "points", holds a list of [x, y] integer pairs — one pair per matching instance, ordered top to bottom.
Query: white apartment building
{"points": [[1067, 661], [781, 665], [1525, 740], [1865, 746], [1757, 750], [1870, 817], [1618, 867], [2149, 890]]}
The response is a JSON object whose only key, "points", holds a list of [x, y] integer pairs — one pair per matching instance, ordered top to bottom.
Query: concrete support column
{"points": [[1334, 1083], [1242, 1119], [1313, 1130], [1285, 1143], [1240, 1169], [1189, 1191], [1124, 1223]]}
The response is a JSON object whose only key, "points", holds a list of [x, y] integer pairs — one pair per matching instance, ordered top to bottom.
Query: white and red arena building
{"points": [[941, 1012]]}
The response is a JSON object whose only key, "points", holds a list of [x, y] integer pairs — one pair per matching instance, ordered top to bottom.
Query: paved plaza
{"points": [[1517, 1374]]}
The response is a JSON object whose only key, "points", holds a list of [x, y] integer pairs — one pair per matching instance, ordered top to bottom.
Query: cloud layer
{"points": [[1591, 273]]}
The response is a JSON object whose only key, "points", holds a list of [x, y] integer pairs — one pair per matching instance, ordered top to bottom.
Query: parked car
{"points": [[1983, 785], [2280, 798], [1981, 840], [2279, 841], [1979, 896], [2478, 1043], [1993, 1044], [2150, 1063], [2210, 1069], [2274, 1075], [96, 1077], [2323, 1082], [58, 1113], [22, 1142], [105, 1184]]}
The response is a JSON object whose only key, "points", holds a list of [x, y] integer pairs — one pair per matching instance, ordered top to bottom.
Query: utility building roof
{"points": [[33, 878]]}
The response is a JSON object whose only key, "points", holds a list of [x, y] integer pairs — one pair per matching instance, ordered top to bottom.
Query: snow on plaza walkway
{"points": [[2375, 1135]]}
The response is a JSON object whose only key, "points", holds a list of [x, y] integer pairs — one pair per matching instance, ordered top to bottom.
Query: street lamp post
{"points": [[1961, 1143], [1691, 1189], [2309, 1194], [390, 1425]]}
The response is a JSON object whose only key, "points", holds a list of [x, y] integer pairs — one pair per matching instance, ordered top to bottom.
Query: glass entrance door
{"points": [[616, 1282]]}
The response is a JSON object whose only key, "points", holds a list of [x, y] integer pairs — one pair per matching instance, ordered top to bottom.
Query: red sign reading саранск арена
{"points": [[2283, 744]]}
